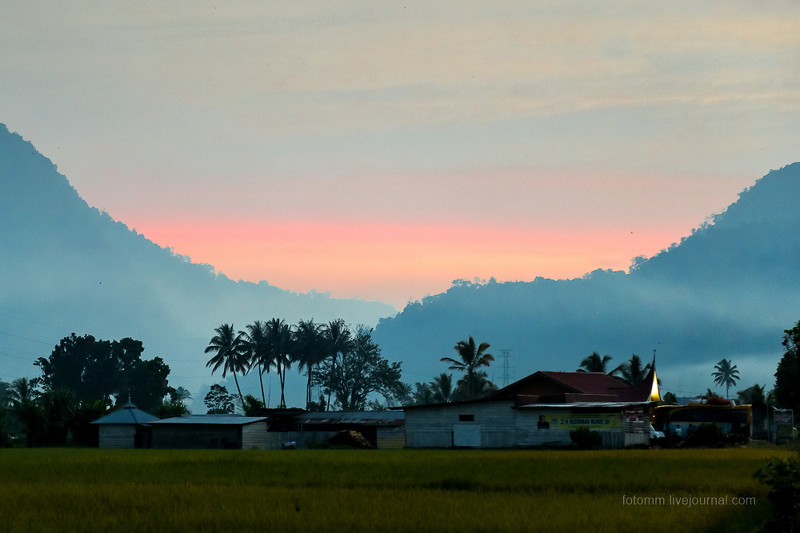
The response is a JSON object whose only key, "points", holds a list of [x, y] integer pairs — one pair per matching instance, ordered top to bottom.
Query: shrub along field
{"points": [[382, 490]]}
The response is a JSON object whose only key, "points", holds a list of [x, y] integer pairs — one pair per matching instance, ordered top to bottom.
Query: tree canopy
{"points": [[471, 357], [594, 363], [93, 369], [631, 371], [358, 372], [725, 375], [787, 375], [218, 401]]}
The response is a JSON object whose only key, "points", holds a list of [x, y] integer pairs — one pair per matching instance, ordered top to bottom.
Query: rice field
{"points": [[382, 490]]}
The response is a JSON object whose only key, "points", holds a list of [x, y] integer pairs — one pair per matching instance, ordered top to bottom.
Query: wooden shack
{"points": [[210, 432]]}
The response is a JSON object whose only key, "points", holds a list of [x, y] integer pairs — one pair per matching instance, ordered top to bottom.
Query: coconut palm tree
{"points": [[338, 340], [256, 342], [280, 347], [309, 350], [230, 354], [472, 356], [594, 363], [631, 371], [726, 374], [442, 388], [22, 390]]}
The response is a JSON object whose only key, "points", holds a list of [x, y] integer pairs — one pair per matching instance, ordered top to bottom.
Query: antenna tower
{"points": [[506, 355]]}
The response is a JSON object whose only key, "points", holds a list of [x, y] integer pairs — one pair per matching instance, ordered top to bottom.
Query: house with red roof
{"points": [[540, 410]]}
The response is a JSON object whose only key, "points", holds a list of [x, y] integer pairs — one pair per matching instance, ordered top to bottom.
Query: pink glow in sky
{"points": [[382, 150], [396, 263]]}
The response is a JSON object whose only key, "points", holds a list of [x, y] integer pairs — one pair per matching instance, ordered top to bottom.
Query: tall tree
{"points": [[338, 340], [257, 344], [280, 346], [309, 350], [229, 353], [471, 357], [594, 363], [94, 369], [361, 371], [632, 371], [725, 375], [787, 375], [442, 388], [22, 390], [179, 394], [422, 394], [753, 395], [218, 401]]}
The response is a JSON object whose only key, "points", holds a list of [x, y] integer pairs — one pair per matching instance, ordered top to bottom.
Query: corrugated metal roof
{"points": [[581, 404], [128, 414], [372, 418], [219, 420]]}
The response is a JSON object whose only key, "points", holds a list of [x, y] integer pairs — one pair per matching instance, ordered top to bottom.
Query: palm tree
{"points": [[338, 340], [256, 342], [280, 347], [309, 350], [230, 354], [471, 357], [594, 363], [632, 371], [726, 375], [442, 388], [22, 390]]}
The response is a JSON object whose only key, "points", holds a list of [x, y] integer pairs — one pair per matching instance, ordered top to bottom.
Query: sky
{"points": [[381, 150]]}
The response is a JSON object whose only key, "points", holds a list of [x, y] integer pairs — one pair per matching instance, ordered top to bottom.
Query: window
{"points": [[466, 418]]}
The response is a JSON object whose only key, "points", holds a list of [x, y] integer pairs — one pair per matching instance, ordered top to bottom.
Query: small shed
{"points": [[128, 427], [382, 429], [210, 432]]}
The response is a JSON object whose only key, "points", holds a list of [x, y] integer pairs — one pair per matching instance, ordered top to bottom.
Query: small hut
{"points": [[128, 427], [210, 432]]}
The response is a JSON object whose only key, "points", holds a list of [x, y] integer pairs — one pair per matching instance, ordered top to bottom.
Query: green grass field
{"points": [[374, 490]]}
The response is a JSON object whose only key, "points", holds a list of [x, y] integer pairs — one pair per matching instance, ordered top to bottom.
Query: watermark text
{"points": [[688, 501]]}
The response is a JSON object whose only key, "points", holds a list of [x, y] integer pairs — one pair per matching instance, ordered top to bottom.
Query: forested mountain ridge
{"points": [[68, 267], [728, 289]]}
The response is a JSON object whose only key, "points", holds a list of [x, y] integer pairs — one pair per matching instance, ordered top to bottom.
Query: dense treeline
{"points": [[343, 361], [82, 379]]}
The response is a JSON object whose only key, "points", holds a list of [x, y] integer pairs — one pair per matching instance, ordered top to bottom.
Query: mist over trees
{"points": [[70, 267], [728, 289]]}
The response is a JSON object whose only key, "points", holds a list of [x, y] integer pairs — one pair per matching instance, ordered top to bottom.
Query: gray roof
{"points": [[609, 405], [128, 414], [369, 418], [221, 420]]}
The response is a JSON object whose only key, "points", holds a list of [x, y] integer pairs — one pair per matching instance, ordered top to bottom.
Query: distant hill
{"points": [[67, 267], [727, 290]]}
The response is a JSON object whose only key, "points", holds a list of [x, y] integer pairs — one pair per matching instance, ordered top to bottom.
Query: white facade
{"points": [[498, 424]]}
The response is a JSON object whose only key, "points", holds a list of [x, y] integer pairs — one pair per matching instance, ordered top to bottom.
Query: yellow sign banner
{"points": [[588, 420]]}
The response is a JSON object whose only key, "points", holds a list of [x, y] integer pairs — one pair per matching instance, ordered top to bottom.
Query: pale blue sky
{"points": [[580, 121]]}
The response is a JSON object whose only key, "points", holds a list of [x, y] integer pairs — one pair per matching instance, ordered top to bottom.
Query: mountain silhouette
{"points": [[67, 267], [728, 290]]}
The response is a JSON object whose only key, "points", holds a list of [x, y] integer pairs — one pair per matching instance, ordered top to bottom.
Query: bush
{"points": [[586, 439], [783, 478]]}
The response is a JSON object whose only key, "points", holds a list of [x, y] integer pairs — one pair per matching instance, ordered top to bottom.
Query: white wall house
{"points": [[539, 410]]}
